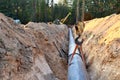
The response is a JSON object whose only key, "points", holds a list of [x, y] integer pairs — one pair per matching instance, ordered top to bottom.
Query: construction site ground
{"points": [[101, 47], [38, 51]]}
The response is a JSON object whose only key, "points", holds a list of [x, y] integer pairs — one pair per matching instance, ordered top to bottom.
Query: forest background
{"points": [[48, 10]]}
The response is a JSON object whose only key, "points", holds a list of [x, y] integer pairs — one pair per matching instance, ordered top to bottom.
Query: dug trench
{"points": [[101, 47], [35, 51], [38, 51]]}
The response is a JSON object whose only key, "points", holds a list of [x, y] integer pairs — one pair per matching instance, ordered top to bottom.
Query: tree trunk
{"points": [[52, 2], [34, 10], [83, 10], [77, 12]]}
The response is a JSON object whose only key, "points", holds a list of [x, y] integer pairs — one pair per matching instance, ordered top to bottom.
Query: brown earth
{"points": [[102, 47], [35, 51]]}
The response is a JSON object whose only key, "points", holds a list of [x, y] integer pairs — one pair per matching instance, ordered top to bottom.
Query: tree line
{"points": [[47, 11]]}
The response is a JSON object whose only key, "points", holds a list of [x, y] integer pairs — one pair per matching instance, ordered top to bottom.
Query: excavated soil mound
{"points": [[102, 47], [35, 51]]}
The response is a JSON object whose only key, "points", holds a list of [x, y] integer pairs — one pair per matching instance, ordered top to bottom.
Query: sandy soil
{"points": [[102, 47], [35, 51]]}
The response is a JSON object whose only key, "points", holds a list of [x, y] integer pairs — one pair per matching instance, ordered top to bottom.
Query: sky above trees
{"points": [[56, 1]]}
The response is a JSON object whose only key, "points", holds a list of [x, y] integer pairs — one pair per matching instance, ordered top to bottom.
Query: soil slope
{"points": [[102, 47], [35, 51]]}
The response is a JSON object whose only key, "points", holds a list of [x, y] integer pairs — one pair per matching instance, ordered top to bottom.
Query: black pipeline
{"points": [[76, 68]]}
